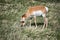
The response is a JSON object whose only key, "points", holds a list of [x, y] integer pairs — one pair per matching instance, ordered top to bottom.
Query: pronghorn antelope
{"points": [[33, 12]]}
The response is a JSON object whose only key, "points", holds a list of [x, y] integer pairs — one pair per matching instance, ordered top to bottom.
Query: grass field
{"points": [[10, 29]]}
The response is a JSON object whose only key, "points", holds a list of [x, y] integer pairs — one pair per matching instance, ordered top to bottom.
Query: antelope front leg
{"points": [[35, 21], [45, 22], [30, 23]]}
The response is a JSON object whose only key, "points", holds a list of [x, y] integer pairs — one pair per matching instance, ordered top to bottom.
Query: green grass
{"points": [[11, 13]]}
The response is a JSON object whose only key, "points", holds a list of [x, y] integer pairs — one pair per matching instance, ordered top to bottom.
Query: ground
{"points": [[10, 28]]}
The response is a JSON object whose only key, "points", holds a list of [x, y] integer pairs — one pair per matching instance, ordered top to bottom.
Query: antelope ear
{"points": [[20, 18]]}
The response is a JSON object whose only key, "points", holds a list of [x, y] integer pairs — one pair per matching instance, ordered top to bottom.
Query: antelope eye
{"points": [[22, 21]]}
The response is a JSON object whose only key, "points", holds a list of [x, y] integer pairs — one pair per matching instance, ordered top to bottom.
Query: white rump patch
{"points": [[46, 9], [38, 13]]}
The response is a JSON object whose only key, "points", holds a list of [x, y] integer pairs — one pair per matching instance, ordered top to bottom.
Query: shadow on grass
{"points": [[37, 24]]}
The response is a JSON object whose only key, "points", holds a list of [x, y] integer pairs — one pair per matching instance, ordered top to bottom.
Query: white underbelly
{"points": [[37, 13]]}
